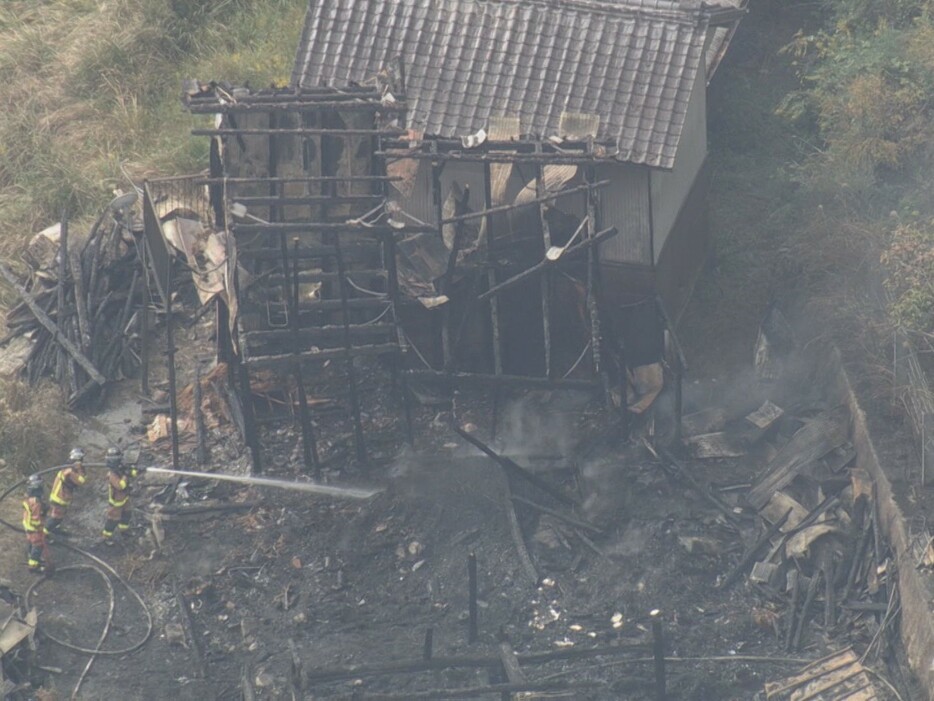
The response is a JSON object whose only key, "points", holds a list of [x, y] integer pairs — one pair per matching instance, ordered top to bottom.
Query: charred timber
{"points": [[336, 105], [225, 131], [496, 157], [297, 179], [308, 199], [330, 227], [548, 263], [57, 335], [260, 361], [473, 378], [514, 469], [569, 520], [750, 555], [467, 662], [471, 692]]}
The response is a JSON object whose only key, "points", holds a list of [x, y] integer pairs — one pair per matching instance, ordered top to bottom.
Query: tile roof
{"points": [[634, 65]]}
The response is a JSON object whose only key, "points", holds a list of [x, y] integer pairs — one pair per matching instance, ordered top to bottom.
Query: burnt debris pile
{"points": [[79, 312]]}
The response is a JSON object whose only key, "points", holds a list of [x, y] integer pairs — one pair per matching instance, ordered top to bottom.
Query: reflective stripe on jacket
{"points": [[117, 486], [63, 488], [32, 515]]}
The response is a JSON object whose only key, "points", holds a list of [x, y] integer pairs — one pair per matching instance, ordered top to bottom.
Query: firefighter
{"points": [[119, 478], [63, 490], [34, 508]]}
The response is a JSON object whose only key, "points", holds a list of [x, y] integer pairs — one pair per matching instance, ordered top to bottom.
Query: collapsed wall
{"points": [[914, 586]]}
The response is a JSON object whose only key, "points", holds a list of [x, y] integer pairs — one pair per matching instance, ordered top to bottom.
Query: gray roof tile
{"points": [[633, 63]]}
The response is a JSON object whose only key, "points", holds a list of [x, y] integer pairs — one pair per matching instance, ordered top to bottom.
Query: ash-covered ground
{"points": [[282, 594]]}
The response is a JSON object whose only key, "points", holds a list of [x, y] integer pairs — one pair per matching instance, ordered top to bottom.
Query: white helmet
{"points": [[76, 454]]}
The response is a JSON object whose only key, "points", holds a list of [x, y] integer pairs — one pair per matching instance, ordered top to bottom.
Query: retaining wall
{"points": [[915, 587]]}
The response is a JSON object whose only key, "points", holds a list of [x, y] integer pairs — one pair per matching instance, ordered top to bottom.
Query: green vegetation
{"points": [[89, 84], [867, 96]]}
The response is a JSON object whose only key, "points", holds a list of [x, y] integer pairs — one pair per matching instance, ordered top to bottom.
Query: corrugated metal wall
{"points": [[670, 189], [624, 203]]}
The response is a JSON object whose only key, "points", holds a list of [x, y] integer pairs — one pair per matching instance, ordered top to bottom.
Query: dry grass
{"points": [[89, 84], [35, 430]]}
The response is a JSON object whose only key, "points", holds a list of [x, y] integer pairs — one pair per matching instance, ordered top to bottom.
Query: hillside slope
{"points": [[88, 85]]}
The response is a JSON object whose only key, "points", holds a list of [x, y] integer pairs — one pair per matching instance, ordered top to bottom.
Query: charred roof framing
{"points": [[299, 179]]}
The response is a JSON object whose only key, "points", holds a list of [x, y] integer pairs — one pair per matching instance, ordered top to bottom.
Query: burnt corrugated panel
{"points": [[631, 64], [624, 203]]}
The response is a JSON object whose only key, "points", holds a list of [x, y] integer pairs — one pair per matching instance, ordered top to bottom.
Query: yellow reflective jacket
{"points": [[66, 479], [32, 515]]}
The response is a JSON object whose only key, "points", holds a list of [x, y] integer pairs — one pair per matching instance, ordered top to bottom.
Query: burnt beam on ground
{"points": [[514, 469], [336, 674], [470, 692]]}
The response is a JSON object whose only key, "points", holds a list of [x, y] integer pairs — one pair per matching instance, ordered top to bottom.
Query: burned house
{"points": [[508, 192]]}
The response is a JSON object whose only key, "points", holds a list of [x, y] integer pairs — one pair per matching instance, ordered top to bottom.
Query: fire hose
{"points": [[103, 570]]}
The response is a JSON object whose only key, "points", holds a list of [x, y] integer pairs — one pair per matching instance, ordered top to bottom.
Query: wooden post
{"points": [[436, 170], [592, 259], [62, 274], [546, 278], [491, 283], [290, 297], [144, 322], [170, 355], [249, 418], [200, 432], [309, 441], [359, 441], [472, 603], [428, 646], [658, 652]]}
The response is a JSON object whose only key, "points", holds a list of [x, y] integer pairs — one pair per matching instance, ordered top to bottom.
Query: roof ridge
{"points": [[677, 10]]}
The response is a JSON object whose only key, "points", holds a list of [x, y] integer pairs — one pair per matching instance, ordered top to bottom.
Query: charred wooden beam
{"points": [[265, 107], [273, 131], [493, 157], [263, 179], [542, 196], [251, 200], [329, 227], [584, 245], [359, 248], [545, 281], [593, 286], [319, 333], [57, 335], [260, 361], [473, 378], [359, 440], [811, 442], [514, 469], [700, 488], [570, 520], [751, 554], [805, 609], [472, 624], [324, 676], [474, 691]]}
